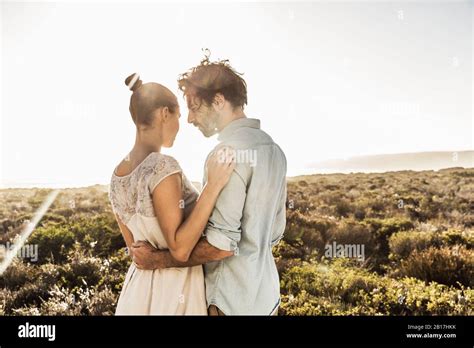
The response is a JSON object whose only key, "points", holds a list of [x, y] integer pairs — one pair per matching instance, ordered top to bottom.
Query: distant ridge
{"points": [[417, 161]]}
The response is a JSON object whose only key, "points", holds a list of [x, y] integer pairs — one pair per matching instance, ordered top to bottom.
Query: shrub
{"points": [[303, 183], [343, 208], [359, 214], [386, 227], [313, 230], [382, 230], [352, 232], [99, 234], [314, 237], [453, 237], [54, 242], [402, 244], [287, 251], [83, 263], [446, 265], [81, 269], [114, 270], [18, 274], [85, 285], [339, 289], [30, 294], [6, 299], [81, 301], [103, 302], [306, 304]]}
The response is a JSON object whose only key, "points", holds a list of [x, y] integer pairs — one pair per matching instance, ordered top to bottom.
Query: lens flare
{"points": [[27, 230]]}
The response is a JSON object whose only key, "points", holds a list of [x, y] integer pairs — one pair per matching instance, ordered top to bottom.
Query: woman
{"points": [[154, 201]]}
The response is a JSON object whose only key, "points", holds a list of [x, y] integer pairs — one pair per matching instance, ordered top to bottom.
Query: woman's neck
{"points": [[145, 144]]}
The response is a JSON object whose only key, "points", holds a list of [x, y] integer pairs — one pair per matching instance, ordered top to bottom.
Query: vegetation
{"points": [[416, 230]]}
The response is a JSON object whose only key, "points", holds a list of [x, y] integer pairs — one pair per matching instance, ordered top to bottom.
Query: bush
{"points": [[343, 208], [409, 217], [386, 227], [382, 229], [312, 231], [352, 232], [99, 234], [314, 237], [453, 237], [54, 242], [402, 244], [446, 265], [116, 268], [81, 270], [18, 274], [85, 285], [339, 289], [30, 294], [6, 299], [82, 301], [103, 302], [306, 304]]}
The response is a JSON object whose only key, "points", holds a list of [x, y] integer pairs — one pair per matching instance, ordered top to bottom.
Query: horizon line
{"points": [[51, 185]]}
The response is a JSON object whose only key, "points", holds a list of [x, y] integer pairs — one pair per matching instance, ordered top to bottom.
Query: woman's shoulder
{"points": [[161, 161], [154, 163], [159, 168]]}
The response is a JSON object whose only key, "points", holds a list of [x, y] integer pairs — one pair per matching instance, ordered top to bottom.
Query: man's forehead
{"points": [[191, 99]]}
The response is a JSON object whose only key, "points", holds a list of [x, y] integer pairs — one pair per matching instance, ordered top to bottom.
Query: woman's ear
{"points": [[165, 114]]}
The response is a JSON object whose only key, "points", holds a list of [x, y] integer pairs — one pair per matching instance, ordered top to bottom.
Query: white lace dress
{"points": [[171, 291]]}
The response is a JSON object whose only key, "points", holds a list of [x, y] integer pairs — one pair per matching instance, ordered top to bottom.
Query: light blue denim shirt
{"points": [[249, 218]]}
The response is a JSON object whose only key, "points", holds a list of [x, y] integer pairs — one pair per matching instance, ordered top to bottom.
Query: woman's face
{"points": [[170, 126]]}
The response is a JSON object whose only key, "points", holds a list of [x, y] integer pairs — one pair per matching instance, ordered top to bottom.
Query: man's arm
{"points": [[223, 231], [146, 256]]}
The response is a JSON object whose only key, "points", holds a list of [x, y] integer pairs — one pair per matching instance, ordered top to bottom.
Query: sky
{"points": [[327, 79]]}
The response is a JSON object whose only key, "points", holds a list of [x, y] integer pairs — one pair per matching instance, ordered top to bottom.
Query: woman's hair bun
{"points": [[133, 82]]}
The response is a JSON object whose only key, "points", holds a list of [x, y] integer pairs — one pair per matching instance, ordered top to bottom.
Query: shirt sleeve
{"points": [[164, 167], [280, 219], [224, 227]]}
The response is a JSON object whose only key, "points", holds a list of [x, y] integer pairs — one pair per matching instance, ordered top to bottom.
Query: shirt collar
{"points": [[236, 124]]}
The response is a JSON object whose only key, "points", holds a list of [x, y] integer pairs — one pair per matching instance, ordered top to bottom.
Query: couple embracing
{"points": [[208, 252]]}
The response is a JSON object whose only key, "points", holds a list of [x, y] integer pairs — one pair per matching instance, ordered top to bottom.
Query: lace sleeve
{"points": [[164, 167]]}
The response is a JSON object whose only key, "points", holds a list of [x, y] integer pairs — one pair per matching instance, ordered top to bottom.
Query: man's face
{"points": [[202, 116]]}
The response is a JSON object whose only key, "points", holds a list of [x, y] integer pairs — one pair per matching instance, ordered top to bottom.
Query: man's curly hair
{"points": [[209, 78]]}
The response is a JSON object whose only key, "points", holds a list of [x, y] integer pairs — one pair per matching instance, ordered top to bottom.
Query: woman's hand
{"points": [[220, 166]]}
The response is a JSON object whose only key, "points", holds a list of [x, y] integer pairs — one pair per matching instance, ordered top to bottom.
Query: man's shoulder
{"points": [[245, 138]]}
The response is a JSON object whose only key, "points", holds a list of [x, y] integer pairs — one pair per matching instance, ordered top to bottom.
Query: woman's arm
{"points": [[168, 204], [127, 235]]}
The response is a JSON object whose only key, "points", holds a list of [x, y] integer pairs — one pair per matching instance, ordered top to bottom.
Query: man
{"points": [[250, 216]]}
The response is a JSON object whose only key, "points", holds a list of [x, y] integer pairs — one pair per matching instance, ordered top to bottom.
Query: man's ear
{"points": [[219, 101]]}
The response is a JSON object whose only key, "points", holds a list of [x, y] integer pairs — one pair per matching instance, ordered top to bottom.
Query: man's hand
{"points": [[145, 256]]}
